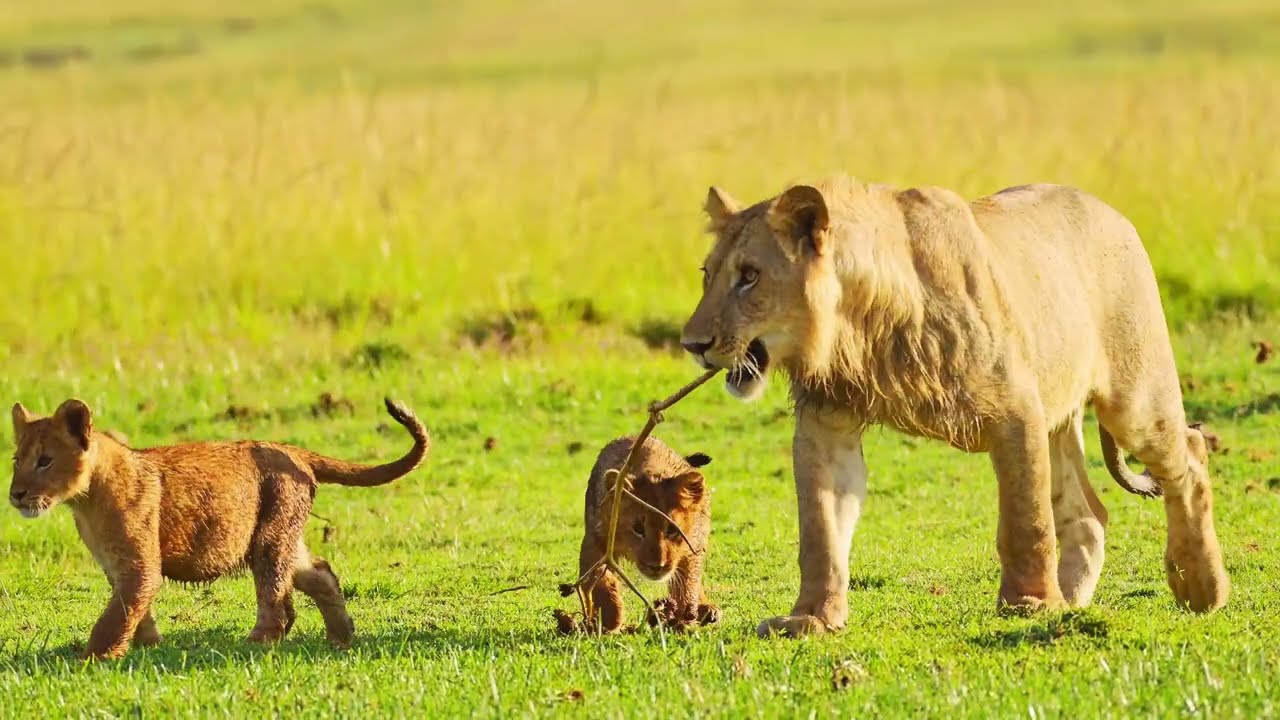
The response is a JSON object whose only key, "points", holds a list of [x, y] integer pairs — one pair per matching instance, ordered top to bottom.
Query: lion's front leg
{"points": [[831, 482], [1025, 540]]}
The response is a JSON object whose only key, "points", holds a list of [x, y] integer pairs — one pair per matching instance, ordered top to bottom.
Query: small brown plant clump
{"points": [[1265, 351], [191, 513], [670, 552]]}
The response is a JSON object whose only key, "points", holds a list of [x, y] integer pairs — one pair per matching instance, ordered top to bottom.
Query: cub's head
{"points": [[769, 291], [52, 463], [653, 544]]}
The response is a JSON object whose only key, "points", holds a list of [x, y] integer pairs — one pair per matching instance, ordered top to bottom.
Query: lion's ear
{"points": [[720, 206], [799, 217], [75, 417], [21, 418], [698, 459], [692, 485]]}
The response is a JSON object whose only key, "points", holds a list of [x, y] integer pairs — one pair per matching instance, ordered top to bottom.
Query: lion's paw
{"points": [[1026, 605], [793, 626]]}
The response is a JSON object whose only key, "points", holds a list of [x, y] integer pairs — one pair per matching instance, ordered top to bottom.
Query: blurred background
{"points": [[307, 179]]}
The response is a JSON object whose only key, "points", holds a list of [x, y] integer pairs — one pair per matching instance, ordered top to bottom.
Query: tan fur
{"points": [[988, 325], [670, 483], [191, 513]]}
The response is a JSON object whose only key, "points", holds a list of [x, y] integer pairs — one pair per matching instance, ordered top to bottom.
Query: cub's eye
{"points": [[747, 277], [43, 462], [638, 527], [672, 532]]}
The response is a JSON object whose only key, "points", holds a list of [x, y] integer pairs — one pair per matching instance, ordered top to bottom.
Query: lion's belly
{"points": [[205, 535]]}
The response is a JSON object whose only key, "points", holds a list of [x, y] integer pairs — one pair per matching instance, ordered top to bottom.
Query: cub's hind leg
{"points": [[285, 503], [1079, 519], [314, 577]]}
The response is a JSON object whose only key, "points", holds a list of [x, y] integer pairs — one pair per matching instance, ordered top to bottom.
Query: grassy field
{"points": [[211, 214]]}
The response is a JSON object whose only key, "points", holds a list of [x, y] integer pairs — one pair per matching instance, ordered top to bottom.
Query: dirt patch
{"points": [[158, 51], [51, 57], [377, 311], [506, 332], [659, 334], [377, 355]]}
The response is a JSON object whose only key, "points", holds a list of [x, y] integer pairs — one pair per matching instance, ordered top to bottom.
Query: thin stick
{"points": [[655, 417], [619, 489], [664, 516]]}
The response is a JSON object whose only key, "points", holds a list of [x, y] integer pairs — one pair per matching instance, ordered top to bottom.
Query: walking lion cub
{"points": [[671, 483], [191, 513]]}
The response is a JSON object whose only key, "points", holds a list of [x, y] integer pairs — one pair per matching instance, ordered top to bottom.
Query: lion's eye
{"points": [[747, 277], [43, 462], [638, 528], [673, 532]]}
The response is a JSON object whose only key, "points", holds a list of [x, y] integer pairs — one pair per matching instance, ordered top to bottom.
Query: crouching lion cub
{"points": [[671, 483], [191, 513]]}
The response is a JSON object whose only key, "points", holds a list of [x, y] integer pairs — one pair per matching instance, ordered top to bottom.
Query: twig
{"points": [[619, 490], [504, 591]]}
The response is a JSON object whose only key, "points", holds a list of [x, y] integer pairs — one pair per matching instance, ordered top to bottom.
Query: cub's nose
{"points": [[697, 347], [16, 494], [657, 568]]}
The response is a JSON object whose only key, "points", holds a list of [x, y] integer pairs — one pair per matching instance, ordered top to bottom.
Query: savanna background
{"points": [[253, 219]]}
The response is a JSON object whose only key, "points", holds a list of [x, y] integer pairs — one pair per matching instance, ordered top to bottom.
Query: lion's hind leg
{"points": [[1152, 426], [1079, 519], [314, 577]]}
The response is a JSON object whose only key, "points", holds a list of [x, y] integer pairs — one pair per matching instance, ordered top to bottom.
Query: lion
{"points": [[989, 325], [673, 484], [190, 513]]}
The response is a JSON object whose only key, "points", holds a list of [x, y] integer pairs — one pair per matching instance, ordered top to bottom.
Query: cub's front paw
{"points": [[664, 611], [708, 614], [104, 653]]}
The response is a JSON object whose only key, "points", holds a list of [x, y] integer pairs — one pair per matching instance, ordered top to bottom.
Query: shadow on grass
{"points": [[1228, 410], [1047, 631], [184, 650]]}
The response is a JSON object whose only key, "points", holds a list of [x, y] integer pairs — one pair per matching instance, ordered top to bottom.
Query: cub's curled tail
{"points": [[339, 472]]}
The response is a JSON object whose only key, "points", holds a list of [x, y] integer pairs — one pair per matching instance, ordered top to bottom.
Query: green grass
{"points": [[490, 210]]}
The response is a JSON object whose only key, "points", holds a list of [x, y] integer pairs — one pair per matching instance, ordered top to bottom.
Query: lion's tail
{"points": [[1113, 456], [338, 472]]}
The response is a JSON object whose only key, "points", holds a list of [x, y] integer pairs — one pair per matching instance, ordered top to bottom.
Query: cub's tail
{"points": [[1113, 456], [338, 472]]}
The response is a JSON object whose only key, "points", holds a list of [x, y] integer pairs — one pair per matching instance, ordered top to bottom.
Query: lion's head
{"points": [[770, 290], [52, 462], [676, 487]]}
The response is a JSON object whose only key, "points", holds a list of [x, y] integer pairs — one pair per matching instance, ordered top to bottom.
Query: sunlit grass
{"points": [[248, 204]]}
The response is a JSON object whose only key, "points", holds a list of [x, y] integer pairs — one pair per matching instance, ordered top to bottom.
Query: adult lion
{"points": [[988, 325]]}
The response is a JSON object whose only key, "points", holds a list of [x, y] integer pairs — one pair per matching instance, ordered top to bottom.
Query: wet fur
{"points": [[671, 483], [191, 513]]}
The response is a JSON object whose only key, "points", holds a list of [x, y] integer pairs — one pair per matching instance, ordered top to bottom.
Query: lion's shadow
{"points": [[205, 648]]}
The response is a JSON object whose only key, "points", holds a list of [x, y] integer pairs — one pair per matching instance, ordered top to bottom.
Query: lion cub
{"points": [[672, 484], [191, 513]]}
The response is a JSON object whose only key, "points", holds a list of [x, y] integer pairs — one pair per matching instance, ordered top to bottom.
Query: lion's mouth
{"points": [[751, 368], [34, 510]]}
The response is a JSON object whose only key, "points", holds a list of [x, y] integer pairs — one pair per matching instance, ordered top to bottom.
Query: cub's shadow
{"points": [[182, 650]]}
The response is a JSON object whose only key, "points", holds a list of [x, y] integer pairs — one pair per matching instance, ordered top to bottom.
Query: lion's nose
{"points": [[697, 347], [17, 494]]}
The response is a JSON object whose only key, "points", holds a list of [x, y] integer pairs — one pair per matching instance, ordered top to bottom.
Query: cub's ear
{"points": [[720, 206], [800, 219], [74, 415], [21, 418], [698, 460], [693, 486]]}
